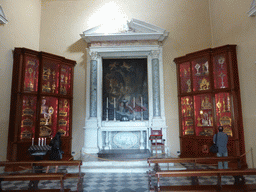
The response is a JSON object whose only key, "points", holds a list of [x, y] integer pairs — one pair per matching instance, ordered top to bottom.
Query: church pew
{"points": [[203, 160], [194, 161], [43, 163], [35, 164], [206, 172], [78, 175], [33, 177], [206, 188], [41, 190]]}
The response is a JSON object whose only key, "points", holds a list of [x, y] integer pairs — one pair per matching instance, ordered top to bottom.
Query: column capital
{"points": [[155, 54], [94, 55]]}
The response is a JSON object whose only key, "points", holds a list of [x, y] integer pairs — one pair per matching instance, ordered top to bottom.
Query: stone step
{"points": [[127, 154], [115, 163], [93, 164], [121, 167], [115, 169]]}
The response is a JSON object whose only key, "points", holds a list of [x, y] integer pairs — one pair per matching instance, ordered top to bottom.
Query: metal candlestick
{"points": [[107, 114], [114, 114]]}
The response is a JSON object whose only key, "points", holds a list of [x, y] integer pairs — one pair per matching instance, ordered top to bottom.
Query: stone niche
{"points": [[122, 108]]}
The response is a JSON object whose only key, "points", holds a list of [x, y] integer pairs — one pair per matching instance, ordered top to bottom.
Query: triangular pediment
{"points": [[252, 11], [3, 19], [132, 30]]}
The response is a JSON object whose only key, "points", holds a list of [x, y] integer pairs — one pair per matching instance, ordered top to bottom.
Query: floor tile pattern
{"points": [[123, 182]]}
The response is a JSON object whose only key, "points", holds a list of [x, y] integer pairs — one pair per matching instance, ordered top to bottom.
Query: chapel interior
{"points": [[68, 29]]}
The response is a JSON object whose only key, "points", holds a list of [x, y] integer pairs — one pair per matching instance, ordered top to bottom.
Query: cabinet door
{"points": [[220, 72], [200, 73], [31, 74], [50, 77], [185, 77], [65, 80], [187, 111], [223, 111], [203, 115], [64, 116], [28, 117], [48, 117]]}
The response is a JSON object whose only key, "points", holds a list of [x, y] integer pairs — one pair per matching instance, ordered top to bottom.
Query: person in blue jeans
{"points": [[222, 141]]}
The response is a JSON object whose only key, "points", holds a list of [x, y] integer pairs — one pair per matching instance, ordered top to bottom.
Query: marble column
{"points": [[93, 84], [156, 84], [91, 129]]}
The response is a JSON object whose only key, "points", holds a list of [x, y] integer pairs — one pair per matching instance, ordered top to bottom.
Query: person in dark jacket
{"points": [[222, 141], [56, 152]]}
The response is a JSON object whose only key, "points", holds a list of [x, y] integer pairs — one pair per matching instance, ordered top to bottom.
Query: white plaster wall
{"points": [[62, 21], [231, 25], [22, 30]]}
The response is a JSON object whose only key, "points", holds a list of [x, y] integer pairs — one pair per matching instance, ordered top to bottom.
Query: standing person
{"points": [[222, 141], [56, 152]]}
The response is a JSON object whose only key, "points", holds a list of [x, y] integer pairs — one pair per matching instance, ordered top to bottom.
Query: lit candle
{"points": [[107, 102], [114, 102], [133, 102], [33, 141], [39, 141]]}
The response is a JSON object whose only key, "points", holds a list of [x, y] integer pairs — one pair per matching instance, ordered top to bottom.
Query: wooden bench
{"points": [[194, 161], [37, 166], [206, 172], [78, 175], [33, 177], [239, 179], [207, 188], [41, 190]]}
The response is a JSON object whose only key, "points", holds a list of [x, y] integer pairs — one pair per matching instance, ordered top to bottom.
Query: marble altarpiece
{"points": [[125, 96]]}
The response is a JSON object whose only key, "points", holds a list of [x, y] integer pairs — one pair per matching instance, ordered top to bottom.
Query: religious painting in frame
{"points": [[125, 89]]}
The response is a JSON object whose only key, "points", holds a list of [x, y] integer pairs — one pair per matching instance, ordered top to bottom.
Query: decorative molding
{"points": [[252, 11], [3, 19], [132, 31], [137, 40], [155, 54], [93, 55]]}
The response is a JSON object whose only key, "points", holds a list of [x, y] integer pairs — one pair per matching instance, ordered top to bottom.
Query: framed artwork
{"points": [[125, 89]]}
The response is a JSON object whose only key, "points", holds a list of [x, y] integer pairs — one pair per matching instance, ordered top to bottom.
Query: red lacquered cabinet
{"points": [[209, 96], [41, 102]]}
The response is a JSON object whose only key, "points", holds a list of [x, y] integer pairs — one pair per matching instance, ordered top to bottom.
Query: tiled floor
{"points": [[122, 182]]}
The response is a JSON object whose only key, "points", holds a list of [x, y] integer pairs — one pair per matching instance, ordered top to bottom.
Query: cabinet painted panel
{"points": [[209, 96], [41, 102]]}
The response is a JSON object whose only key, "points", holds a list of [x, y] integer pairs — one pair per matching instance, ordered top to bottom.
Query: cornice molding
{"points": [[252, 11], [3, 19], [134, 30]]}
